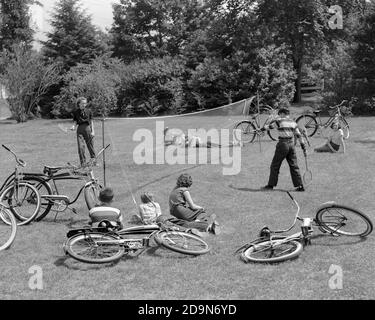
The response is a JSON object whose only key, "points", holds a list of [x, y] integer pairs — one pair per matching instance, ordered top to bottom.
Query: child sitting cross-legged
{"points": [[103, 211], [150, 213]]}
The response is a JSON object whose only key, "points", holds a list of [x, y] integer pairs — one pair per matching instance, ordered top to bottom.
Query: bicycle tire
{"points": [[309, 123], [345, 127], [248, 131], [272, 133], [43, 188], [32, 198], [337, 215], [7, 231], [182, 242], [111, 252], [254, 253]]}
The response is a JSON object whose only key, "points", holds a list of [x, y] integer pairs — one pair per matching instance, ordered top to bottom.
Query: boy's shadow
{"points": [[257, 190]]}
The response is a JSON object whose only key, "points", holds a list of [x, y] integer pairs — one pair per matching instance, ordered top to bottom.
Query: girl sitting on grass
{"points": [[334, 141], [183, 207], [150, 213]]}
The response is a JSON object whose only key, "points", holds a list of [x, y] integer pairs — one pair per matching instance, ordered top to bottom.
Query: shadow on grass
{"points": [[8, 122], [164, 177], [258, 190], [336, 240], [72, 264]]}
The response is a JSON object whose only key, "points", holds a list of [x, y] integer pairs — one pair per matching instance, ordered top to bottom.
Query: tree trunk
{"points": [[298, 68]]}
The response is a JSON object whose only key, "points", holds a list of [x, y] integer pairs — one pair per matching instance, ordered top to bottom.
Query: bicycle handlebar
{"points": [[339, 105], [19, 161]]}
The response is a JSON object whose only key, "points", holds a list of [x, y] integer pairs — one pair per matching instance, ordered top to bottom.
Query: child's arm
{"points": [[343, 144], [190, 201], [157, 210], [141, 213]]}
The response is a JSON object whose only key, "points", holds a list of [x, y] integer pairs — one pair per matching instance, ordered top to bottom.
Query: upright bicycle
{"points": [[313, 122], [249, 129], [46, 185], [19, 196], [337, 220], [7, 230], [106, 244]]}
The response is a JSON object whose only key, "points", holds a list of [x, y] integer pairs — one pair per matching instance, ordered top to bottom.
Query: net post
{"points": [[104, 173]]}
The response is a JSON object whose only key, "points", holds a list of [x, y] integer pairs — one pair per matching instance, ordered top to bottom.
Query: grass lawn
{"points": [[242, 210]]}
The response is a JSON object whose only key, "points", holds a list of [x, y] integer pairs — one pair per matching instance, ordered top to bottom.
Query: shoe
{"points": [[267, 187], [300, 188], [214, 228], [198, 233]]}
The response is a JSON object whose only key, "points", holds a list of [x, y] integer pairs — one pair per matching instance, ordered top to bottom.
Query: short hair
{"points": [[79, 99], [283, 110], [335, 123], [184, 180], [106, 195], [147, 197]]}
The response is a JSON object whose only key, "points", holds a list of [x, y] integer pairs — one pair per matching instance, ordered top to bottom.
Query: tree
{"points": [[15, 23], [147, 29], [73, 39], [27, 78]]}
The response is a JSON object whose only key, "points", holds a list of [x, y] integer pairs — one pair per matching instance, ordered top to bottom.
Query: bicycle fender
{"points": [[326, 205]]}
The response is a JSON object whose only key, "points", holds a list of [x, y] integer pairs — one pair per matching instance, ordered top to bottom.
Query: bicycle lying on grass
{"points": [[310, 123], [45, 184], [18, 196], [331, 218], [7, 231], [106, 244]]}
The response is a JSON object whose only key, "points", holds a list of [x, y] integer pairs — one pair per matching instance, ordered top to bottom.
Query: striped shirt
{"points": [[287, 128]]}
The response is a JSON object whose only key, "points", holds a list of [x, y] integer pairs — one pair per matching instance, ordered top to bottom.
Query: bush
{"points": [[98, 81], [151, 87]]}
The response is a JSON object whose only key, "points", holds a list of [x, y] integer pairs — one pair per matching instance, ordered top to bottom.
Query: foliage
{"points": [[15, 23], [146, 29], [73, 39], [27, 78], [98, 81], [151, 87]]}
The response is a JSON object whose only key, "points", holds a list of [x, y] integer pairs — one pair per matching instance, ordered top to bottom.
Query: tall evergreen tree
{"points": [[15, 23], [73, 38]]}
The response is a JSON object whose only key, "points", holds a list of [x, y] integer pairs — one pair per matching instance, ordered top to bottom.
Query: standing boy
{"points": [[85, 130], [285, 149]]}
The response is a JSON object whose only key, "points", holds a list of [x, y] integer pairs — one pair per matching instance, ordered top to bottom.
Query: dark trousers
{"points": [[84, 137], [285, 149]]}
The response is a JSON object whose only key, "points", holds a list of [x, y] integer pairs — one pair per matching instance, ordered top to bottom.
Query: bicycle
{"points": [[314, 122], [251, 128], [50, 196], [22, 199], [330, 218], [7, 231], [107, 244]]}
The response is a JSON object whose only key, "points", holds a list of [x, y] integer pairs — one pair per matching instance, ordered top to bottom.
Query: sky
{"points": [[100, 11]]}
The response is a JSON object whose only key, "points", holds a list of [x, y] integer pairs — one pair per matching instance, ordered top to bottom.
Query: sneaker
{"points": [[267, 187], [300, 188], [214, 228]]}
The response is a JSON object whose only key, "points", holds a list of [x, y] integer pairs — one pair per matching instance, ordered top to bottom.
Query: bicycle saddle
{"points": [[317, 111], [51, 170]]}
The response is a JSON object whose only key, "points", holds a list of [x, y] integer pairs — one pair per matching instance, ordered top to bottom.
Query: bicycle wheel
{"points": [[309, 123], [345, 127], [248, 131], [273, 134], [43, 188], [23, 201], [344, 220], [7, 231], [182, 242], [94, 247], [272, 251]]}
